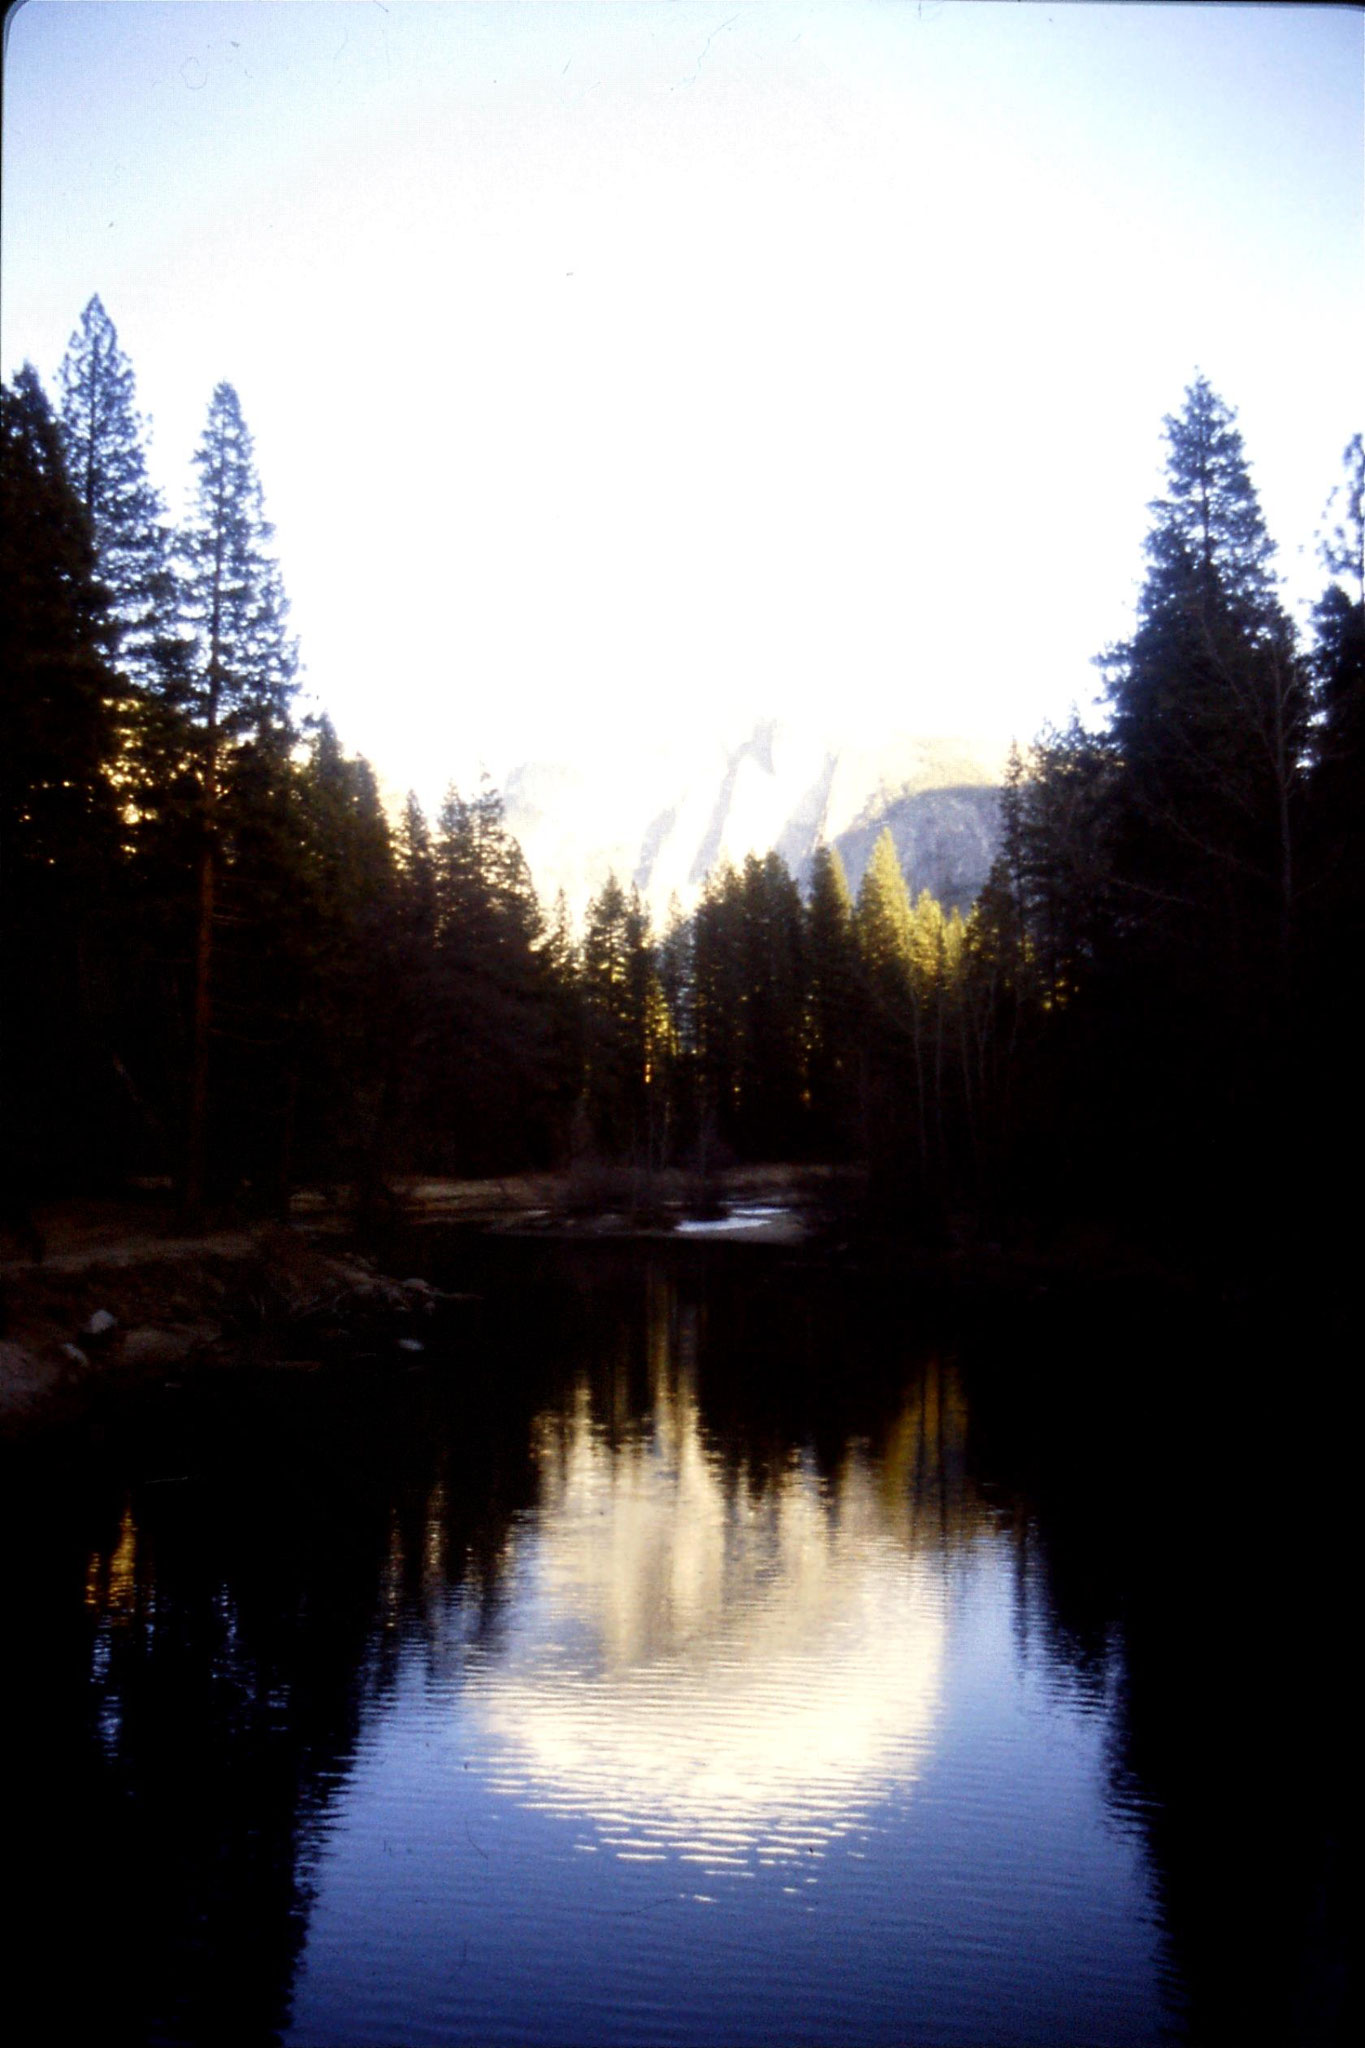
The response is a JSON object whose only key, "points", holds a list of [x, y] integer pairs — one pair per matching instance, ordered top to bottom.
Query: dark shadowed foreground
{"points": [[688, 1644]]}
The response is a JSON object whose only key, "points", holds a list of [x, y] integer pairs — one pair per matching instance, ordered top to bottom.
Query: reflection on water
{"points": [[771, 1218], [683, 1657], [697, 1664], [754, 1704]]}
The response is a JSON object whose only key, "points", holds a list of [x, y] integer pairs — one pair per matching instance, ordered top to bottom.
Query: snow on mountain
{"points": [[679, 812]]}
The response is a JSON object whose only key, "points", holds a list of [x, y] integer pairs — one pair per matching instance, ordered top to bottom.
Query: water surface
{"points": [[675, 1654]]}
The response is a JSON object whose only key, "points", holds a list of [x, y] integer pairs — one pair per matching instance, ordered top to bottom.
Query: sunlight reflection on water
{"points": [[718, 1674], [727, 1739]]}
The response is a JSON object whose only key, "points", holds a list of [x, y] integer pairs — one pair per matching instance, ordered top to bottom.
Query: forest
{"points": [[226, 967]]}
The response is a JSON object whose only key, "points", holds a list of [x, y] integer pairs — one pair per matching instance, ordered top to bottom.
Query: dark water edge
{"points": [[1178, 1469]]}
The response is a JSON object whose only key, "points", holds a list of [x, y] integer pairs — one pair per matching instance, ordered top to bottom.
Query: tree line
{"points": [[228, 966]]}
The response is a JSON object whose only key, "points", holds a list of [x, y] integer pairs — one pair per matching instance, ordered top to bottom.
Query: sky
{"points": [[622, 373]]}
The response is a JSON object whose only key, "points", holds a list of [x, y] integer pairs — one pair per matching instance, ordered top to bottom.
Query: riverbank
{"points": [[776, 1202], [123, 1294], [110, 1311]]}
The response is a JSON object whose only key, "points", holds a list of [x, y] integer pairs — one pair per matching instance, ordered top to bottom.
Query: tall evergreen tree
{"points": [[104, 439], [1208, 548], [244, 661], [239, 698], [1210, 711], [151, 758], [55, 805], [57, 813], [1058, 848], [417, 878], [883, 921], [1201, 951], [560, 961], [674, 963], [717, 999], [747, 1010], [624, 1027], [833, 1029], [343, 1046], [490, 1064], [772, 1070]]}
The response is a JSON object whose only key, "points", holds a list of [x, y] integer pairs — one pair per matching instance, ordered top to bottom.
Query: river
{"points": [[689, 1646]]}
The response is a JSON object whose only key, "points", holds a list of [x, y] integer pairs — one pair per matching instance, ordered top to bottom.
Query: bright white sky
{"points": [[619, 372]]}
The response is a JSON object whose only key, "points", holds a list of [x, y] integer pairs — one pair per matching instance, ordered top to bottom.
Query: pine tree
{"points": [[104, 441], [1208, 547], [244, 662], [239, 697], [1210, 708], [58, 734], [58, 825], [1058, 855], [417, 879], [485, 897], [883, 920], [928, 946], [912, 961], [675, 962], [336, 965], [718, 995], [834, 1021], [625, 1023], [567, 1033], [1187, 1067], [772, 1071], [490, 1081]]}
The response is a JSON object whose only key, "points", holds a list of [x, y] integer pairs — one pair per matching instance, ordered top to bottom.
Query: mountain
{"points": [[665, 818], [946, 840]]}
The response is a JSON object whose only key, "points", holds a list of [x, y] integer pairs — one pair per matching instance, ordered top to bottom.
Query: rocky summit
{"points": [[679, 814]]}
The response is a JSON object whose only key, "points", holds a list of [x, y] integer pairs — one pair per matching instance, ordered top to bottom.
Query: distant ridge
{"points": [[677, 815]]}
